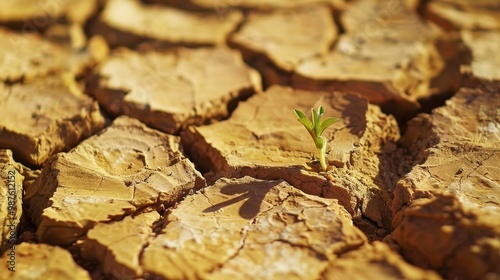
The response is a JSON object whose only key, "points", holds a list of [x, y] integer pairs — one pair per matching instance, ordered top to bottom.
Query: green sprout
{"points": [[316, 127]]}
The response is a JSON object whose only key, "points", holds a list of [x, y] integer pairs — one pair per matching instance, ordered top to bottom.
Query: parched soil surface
{"points": [[156, 139]]}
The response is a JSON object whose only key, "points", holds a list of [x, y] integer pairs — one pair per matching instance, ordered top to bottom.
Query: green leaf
{"points": [[321, 110], [300, 114], [313, 117], [317, 119], [304, 120], [307, 123], [325, 124]]}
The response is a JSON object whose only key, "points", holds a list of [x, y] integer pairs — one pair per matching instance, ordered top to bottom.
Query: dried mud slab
{"points": [[464, 14], [36, 15], [387, 19], [399, 21], [129, 22], [285, 37], [387, 54], [25, 56], [485, 65], [385, 72], [168, 90], [46, 116], [265, 142], [457, 150], [124, 168], [11, 191], [453, 194], [248, 228], [448, 235], [117, 246], [375, 259], [41, 261]]}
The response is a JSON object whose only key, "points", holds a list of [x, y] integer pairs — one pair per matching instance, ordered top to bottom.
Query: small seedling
{"points": [[316, 127]]}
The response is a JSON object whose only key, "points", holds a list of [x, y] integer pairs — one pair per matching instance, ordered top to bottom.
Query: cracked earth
{"points": [[155, 139]]}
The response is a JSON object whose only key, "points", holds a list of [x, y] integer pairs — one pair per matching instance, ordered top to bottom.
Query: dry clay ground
{"points": [[156, 139]]}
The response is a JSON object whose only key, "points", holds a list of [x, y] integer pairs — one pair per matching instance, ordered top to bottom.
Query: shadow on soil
{"points": [[248, 191]]}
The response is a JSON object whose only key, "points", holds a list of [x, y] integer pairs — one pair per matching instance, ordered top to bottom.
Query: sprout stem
{"points": [[322, 156]]}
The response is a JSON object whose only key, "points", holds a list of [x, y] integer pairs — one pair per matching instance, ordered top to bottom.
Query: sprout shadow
{"points": [[354, 113], [253, 193]]}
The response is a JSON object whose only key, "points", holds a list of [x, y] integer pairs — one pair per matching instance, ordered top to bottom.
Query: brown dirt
{"points": [[129, 22], [278, 40], [174, 89], [155, 139], [126, 167], [35, 261]]}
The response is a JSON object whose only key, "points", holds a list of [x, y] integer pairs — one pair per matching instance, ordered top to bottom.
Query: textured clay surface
{"points": [[464, 14], [33, 15], [376, 19], [128, 22], [286, 37], [483, 45], [387, 54], [24, 56], [383, 72], [173, 89], [59, 118], [156, 139], [264, 142], [458, 155], [127, 167], [11, 191], [448, 206], [252, 228], [446, 234], [118, 245], [375, 259], [41, 261]]}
